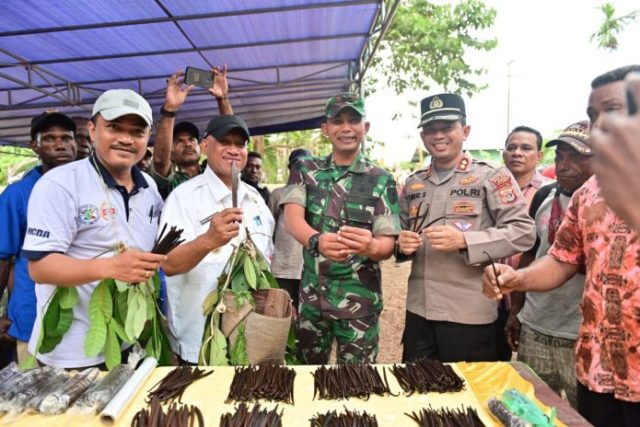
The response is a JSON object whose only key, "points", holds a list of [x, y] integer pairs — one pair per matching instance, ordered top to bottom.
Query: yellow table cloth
{"points": [[482, 381]]}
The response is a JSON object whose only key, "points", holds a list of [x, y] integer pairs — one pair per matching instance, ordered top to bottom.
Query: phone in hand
{"points": [[198, 77]]}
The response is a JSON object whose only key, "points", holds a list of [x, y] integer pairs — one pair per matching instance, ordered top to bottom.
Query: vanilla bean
{"points": [[419, 217], [166, 243], [426, 376], [348, 380], [269, 382], [174, 384], [243, 416], [427, 417], [348, 419]]}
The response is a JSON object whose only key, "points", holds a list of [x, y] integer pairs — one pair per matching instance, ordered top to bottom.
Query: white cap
{"points": [[116, 103]]}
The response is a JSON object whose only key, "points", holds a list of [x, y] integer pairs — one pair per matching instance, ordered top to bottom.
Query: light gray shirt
{"points": [[287, 256], [555, 313]]}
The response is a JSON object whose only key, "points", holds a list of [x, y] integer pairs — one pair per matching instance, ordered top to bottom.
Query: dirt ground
{"points": [[394, 293]]}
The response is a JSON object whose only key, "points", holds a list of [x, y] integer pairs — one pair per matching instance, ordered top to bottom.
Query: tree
{"points": [[612, 26], [427, 43], [277, 148], [14, 161]]}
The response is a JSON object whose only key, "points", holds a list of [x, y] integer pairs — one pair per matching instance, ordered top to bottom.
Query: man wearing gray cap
{"points": [[455, 214], [93, 219], [543, 327]]}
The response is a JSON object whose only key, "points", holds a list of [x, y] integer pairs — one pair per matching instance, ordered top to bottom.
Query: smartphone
{"points": [[198, 77], [632, 106]]}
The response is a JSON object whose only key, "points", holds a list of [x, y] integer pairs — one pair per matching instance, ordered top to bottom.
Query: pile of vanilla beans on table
{"points": [[427, 376], [349, 380], [268, 382], [170, 391], [176, 415], [244, 416], [464, 417], [348, 419]]}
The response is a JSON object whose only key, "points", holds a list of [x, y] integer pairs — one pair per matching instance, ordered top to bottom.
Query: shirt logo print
{"points": [[87, 214]]}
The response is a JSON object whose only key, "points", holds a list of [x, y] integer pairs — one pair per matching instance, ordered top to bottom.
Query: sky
{"points": [[552, 64]]}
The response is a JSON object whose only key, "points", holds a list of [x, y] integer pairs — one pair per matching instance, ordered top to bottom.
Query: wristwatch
{"points": [[167, 113], [312, 246]]}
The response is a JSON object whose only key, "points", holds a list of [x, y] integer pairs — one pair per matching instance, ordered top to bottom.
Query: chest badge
{"points": [[468, 180], [463, 208], [107, 211], [87, 214], [463, 226]]}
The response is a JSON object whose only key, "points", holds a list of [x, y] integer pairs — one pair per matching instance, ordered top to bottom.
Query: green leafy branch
{"points": [[612, 26], [428, 43], [245, 272]]}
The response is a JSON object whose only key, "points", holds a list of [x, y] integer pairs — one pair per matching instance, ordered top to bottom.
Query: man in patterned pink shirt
{"points": [[618, 145], [608, 345]]}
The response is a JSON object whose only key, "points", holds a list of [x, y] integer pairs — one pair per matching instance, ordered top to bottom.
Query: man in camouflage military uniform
{"points": [[344, 211], [453, 214]]}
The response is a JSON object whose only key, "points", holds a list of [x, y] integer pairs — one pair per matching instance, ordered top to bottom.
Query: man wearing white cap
{"points": [[93, 219]]}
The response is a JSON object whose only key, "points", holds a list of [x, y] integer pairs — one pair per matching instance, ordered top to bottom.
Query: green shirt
{"points": [[166, 184]]}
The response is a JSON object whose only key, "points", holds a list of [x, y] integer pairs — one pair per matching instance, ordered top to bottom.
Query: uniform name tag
{"points": [[468, 192]]}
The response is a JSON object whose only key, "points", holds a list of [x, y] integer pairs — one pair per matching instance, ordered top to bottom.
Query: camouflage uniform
{"points": [[166, 184], [341, 299]]}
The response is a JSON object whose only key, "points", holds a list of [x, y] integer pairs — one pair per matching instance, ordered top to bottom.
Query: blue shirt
{"points": [[13, 227]]}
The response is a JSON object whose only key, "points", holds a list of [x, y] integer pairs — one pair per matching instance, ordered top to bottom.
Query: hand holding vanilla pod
{"points": [[118, 312]]}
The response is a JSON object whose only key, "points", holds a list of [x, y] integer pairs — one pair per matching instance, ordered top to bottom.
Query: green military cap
{"points": [[343, 100]]}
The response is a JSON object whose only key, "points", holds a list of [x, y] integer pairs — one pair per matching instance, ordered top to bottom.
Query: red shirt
{"points": [[607, 359]]}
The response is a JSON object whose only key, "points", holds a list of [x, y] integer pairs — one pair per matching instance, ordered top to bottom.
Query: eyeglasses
{"points": [[50, 139]]}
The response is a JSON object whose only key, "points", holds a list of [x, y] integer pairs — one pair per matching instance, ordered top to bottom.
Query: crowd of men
{"points": [[502, 258]]}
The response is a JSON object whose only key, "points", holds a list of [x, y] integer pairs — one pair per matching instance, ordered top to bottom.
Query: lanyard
{"points": [[120, 245]]}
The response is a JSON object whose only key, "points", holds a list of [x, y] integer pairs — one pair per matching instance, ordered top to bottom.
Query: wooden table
{"points": [[210, 393], [546, 395]]}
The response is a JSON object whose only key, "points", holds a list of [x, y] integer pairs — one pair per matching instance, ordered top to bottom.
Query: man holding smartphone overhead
{"points": [[176, 153]]}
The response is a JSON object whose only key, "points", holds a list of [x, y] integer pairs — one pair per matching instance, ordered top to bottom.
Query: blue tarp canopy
{"points": [[285, 57]]}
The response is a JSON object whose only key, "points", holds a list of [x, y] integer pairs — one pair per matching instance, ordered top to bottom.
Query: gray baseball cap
{"points": [[116, 103]]}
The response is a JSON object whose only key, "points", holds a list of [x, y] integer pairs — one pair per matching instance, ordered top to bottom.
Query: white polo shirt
{"points": [[185, 207], [70, 213]]}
